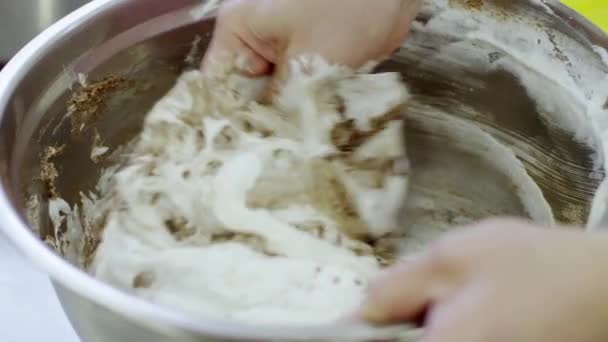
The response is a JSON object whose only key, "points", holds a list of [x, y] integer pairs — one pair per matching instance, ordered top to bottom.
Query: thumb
{"points": [[234, 42], [226, 48], [402, 294]]}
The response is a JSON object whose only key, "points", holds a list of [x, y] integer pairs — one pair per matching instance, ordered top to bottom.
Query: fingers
{"points": [[261, 35], [233, 41], [227, 48], [407, 291], [401, 295], [456, 320]]}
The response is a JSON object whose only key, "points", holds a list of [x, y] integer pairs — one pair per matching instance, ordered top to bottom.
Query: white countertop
{"points": [[29, 309]]}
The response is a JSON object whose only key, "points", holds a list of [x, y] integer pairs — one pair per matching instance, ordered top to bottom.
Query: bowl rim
{"points": [[120, 302]]}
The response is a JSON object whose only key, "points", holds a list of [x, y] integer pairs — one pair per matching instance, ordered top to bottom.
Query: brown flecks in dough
{"points": [[469, 4], [476, 4], [494, 56], [86, 105], [341, 107], [191, 118], [380, 123], [247, 126], [266, 133], [347, 138], [227, 139], [200, 140], [337, 156], [373, 164], [214, 166], [151, 168], [48, 170], [371, 173], [331, 197], [155, 198], [266, 202], [178, 227], [316, 228], [92, 238], [248, 238], [254, 241], [52, 243], [362, 249], [385, 249], [270, 254], [144, 280]]}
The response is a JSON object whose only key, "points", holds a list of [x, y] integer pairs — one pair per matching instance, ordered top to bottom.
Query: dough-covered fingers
{"points": [[267, 33], [403, 293]]}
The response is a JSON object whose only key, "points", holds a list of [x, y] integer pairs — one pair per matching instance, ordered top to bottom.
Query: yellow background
{"points": [[595, 10]]}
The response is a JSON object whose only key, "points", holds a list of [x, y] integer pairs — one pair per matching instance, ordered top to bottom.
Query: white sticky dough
{"points": [[211, 213]]}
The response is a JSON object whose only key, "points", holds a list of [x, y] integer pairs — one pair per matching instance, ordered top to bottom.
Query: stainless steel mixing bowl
{"points": [[23, 20], [142, 47]]}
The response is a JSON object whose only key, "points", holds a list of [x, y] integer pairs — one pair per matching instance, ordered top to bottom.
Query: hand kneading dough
{"points": [[258, 213]]}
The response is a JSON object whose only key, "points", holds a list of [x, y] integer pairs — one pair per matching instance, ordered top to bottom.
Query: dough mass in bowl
{"points": [[259, 213]]}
